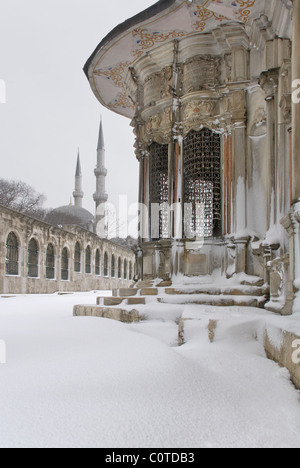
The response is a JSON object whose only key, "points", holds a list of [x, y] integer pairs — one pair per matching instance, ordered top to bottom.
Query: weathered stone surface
{"points": [[26, 228], [164, 284], [213, 291], [125, 292], [149, 292], [109, 301], [136, 301], [217, 301], [105, 312], [212, 326], [211, 330], [284, 354]]}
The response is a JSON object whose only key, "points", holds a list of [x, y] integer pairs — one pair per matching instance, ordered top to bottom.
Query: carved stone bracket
{"points": [[269, 82], [286, 107]]}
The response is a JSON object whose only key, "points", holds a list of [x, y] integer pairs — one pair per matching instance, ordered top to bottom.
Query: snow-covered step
{"points": [[217, 291], [215, 300], [116, 301], [112, 313]]}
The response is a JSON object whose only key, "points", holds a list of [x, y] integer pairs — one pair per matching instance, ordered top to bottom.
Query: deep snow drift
{"points": [[90, 382]]}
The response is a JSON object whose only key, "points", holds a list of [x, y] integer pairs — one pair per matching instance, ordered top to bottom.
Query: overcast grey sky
{"points": [[50, 108]]}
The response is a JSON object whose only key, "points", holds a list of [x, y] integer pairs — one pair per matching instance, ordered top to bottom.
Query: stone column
{"points": [[269, 82], [296, 106], [175, 157], [239, 174], [178, 194], [141, 197], [144, 199], [147, 207], [291, 222], [241, 254]]}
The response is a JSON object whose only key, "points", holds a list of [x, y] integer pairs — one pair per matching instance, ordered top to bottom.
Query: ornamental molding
{"points": [[269, 82]]}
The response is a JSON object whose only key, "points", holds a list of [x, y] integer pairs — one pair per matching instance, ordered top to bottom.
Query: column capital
{"points": [[269, 82], [291, 220]]}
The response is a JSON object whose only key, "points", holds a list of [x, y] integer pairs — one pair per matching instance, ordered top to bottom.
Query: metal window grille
{"points": [[202, 184], [159, 190], [12, 255], [77, 258], [33, 259], [88, 261], [50, 262], [97, 264], [65, 265], [106, 265], [113, 267], [119, 269], [125, 269]]}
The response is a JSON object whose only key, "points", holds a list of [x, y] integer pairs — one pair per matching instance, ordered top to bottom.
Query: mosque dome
{"points": [[70, 215]]}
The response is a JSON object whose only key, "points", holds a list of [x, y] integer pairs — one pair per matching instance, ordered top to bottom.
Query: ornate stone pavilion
{"points": [[207, 85]]}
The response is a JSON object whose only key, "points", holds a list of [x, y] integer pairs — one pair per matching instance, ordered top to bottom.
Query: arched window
{"points": [[202, 184], [12, 255], [77, 258], [33, 259], [88, 261], [50, 262], [97, 263], [65, 264], [105, 265], [113, 266], [119, 268], [125, 269], [130, 270]]}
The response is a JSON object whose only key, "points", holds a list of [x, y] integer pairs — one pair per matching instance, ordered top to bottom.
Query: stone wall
{"points": [[26, 228], [285, 352]]}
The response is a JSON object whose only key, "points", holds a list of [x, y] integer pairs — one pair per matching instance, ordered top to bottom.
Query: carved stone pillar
{"points": [[269, 82], [296, 106], [175, 159], [237, 160], [239, 179], [178, 193], [144, 199], [291, 223], [241, 254]]}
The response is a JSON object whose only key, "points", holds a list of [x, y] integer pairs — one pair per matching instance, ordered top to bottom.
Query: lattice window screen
{"points": [[202, 186], [159, 190]]}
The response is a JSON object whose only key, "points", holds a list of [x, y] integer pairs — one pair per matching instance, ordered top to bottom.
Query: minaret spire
{"points": [[101, 145], [78, 193], [100, 196]]}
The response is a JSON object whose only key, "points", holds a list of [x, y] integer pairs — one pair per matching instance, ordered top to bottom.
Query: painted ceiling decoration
{"points": [[108, 67]]}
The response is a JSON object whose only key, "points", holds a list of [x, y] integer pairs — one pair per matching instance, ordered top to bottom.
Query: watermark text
{"points": [[2, 92], [296, 92], [2, 352], [296, 353]]}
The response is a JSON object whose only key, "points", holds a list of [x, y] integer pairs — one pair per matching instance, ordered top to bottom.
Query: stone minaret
{"points": [[78, 193], [100, 196]]}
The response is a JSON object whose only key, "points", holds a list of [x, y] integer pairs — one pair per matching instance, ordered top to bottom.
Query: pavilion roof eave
{"points": [[145, 15], [107, 68]]}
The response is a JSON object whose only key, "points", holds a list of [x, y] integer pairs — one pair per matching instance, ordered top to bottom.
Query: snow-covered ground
{"points": [[90, 382]]}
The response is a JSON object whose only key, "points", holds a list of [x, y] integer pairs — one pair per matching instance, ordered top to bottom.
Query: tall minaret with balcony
{"points": [[78, 193], [100, 196]]}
